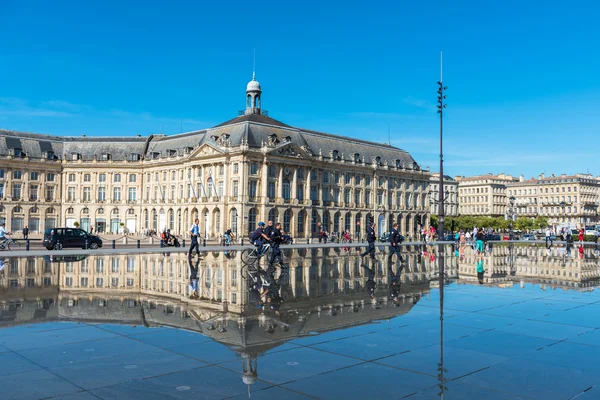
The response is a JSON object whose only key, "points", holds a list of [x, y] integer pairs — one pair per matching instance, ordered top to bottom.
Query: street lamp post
{"points": [[440, 106], [562, 206], [511, 215]]}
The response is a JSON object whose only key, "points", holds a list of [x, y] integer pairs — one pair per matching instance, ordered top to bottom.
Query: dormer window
{"points": [[214, 137], [188, 150], [17, 152], [172, 153], [334, 154], [50, 155], [155, 155], [75, 156], [105, 156], [135, 157], [356, 157], [378, 160], [398, 164], [415, 166]]}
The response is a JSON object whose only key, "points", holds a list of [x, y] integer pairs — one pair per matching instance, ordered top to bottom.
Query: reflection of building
{"points": [[247, 169], [450, 195], [483, 195], [564, 200], [536, 263], [166, 275], [323, 292]]}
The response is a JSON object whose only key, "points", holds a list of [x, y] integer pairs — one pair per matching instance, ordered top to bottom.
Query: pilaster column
{"points": [[280, 182]]}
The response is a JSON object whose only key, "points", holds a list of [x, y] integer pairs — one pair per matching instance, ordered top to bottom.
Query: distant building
{"points": [[249, 169], [484, 194], [450, 195], [566, 200]]}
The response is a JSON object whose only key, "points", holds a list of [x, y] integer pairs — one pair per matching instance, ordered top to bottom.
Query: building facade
{"points": [[233, 175], [450, 195], [484, 195], [566, 200]]}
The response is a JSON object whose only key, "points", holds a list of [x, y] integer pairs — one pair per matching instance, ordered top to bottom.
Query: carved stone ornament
{"points": [[272, 140], [206, 151], [289, 151]]}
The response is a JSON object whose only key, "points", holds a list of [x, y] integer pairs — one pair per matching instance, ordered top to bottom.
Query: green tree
{"points": [[433, 221]]}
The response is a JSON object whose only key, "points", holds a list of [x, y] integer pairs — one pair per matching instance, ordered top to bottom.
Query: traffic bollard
{"points": [[242, 241], [182, 242], [204, 242], [138, 243], [87, 244], [114, 244], [27, 245]]}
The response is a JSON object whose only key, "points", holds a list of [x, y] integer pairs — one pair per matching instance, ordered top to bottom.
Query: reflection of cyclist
{"points": [[258, 238]]}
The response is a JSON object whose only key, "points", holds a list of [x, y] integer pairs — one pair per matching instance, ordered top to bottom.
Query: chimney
{"points": [[542, 176], [521, 178]]}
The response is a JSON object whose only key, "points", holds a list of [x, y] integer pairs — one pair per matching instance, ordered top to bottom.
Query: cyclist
{"points": [[3, 233], [228, 236], [258, 238]]}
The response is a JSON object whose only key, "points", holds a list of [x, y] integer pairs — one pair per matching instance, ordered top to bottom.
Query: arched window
{"points": [[286, 189], [234, 220], [252, 220], [286, 220], [301, 223]]}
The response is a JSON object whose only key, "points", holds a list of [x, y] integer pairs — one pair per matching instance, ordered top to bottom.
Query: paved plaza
{"points": [[509, 338]]}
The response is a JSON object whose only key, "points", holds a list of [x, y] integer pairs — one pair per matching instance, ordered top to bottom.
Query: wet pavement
{"points": [[508, 340]]}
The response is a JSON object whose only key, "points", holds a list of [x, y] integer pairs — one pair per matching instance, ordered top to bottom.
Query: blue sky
{"points": [[522, 95]]}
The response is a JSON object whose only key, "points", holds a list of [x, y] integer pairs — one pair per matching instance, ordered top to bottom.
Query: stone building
{"points": [[245, 170], [484, 194], [450, 195], [566, 200]]}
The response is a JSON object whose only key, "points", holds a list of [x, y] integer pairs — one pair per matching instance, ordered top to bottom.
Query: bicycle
{"points": [[10, 244], [249, 256]]}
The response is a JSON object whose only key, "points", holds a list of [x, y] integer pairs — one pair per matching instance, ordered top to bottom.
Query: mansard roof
{"points": [[253, 130]]}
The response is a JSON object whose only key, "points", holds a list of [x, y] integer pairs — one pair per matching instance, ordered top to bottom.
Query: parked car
{"points": [[528, 236], [491, 237], [61, 238]]}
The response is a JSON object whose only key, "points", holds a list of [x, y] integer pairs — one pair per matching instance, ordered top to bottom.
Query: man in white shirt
{"points": [[3, 233], [194, 234], [548, 238]]}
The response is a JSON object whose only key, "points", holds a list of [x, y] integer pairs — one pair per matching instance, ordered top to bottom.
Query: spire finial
{"points": [[254, 66]]}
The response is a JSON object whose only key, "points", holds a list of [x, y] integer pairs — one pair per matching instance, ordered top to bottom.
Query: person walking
{"points": [[25, 233], [194, 233], [580, 236], [275, 237], [548, 238], [371, 240], [395, 240], [479, 243]]}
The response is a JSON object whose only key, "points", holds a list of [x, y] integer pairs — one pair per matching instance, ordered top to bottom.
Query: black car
{"points": [[491, 237], [60, 238]]}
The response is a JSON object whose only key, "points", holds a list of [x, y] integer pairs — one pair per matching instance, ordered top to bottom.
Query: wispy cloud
{"points": [[419, 103], [11, 106], [88, 119]]}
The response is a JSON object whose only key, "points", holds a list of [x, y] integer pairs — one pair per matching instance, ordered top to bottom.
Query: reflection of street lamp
{"points": [[562, 205]]}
